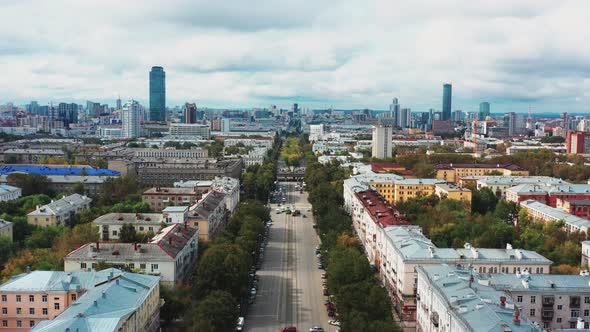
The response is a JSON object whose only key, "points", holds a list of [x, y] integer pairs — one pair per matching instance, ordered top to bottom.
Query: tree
{"points": [[31, 184], [78, 188], [483, 200], [128, 233], [6, 249], [223, 267], [175, 302], [217, 312]]}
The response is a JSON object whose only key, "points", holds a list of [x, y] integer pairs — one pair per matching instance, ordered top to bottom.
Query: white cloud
{"points": [[321, 53]]}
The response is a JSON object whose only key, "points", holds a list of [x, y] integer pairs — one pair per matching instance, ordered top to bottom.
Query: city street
{"points": [[290, 284]]}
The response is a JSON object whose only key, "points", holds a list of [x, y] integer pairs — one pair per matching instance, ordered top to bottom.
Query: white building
{"points": [[130, 119], [190, 129], [316, 132], [382, 142], [172, 153], [499, 184], [231, 188], [9, 193], [59, 212], [109, 225], [6, 229], [170, 254], [586, 254], [452, 300]]}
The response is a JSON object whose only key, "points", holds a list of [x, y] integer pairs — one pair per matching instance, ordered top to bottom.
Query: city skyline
{"points": [[315, 54]]}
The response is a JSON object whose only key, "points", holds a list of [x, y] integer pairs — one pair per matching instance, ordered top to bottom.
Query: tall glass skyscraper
{"points": [[157, 94], [447, 98], [484, 110]]}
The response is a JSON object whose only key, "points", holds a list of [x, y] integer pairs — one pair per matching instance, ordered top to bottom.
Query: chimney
{"points": [[502, 301], [516, 316]]}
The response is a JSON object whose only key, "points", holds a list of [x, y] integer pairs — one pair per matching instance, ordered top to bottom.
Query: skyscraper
{"points": [[157, 94], [447, 101], [118, 104], [394, 110], [484, 110], [190, 113], [130, 119], [382, 140]]}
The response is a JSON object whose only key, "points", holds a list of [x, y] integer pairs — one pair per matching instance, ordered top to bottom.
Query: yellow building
{"points": [[452, 172], [412, 188], [451, 191]]}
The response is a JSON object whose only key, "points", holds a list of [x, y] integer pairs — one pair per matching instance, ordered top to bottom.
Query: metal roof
{"points": [[47, 170]]}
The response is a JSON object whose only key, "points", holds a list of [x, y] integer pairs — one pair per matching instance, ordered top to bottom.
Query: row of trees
{"points": [[291, 151], [258, 181], [491, 224], [361, 302]]}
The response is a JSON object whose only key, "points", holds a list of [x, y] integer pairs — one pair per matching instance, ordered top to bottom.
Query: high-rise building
{"points": [[157, 94], [447, 101], [118, 104], [33, 108], [394, 109], [484, 110], [68, 113], [190, 113], [458, 115], [403, 117], [130, 119], [516, 123], [382, 140], [578, 142]]}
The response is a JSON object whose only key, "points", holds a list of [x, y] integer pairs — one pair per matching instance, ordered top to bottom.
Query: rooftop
{"points": [[512, 167], [50, 170], [516, 180], [418, 181], [361, 182], [451, 187], [4, 188], [171, 191], [62, 206], [205, 206], [173, 209], [380, 210], [556, 214], [129, 218], [4, 223], [54, 281], [534, 282], [474, 305], [105, 306]]}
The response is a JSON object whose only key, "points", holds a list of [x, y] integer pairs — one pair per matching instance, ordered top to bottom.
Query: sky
{"points": [[328, 53]]}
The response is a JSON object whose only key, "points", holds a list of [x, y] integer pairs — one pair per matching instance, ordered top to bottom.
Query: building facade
{"points": [[157, 94], [130, 119], [200, 131], [382, 142], [171, 153], [166, 171], [452, 172], [9, 193], [160, 197], [59, 212], [209, 215], [110, 224]]}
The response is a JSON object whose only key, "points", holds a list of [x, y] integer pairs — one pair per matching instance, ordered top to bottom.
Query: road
{"points": [[290, 284]]}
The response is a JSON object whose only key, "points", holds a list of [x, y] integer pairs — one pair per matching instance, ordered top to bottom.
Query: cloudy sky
{"points": [[320, 53]]}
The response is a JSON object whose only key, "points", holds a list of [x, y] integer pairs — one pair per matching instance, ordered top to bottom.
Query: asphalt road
{"points": [[289, 286]]}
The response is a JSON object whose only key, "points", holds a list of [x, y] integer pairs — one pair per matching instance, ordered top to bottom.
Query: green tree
{"points": [[31, 184], [128, 233], [6, 249], [223, 267], [176, 301], [217, 312]]}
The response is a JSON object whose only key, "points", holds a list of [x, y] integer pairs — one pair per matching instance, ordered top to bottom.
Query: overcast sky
{"points": [[320, 53]]}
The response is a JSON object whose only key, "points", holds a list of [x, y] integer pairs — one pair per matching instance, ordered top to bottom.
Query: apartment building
{"points": [[201, 131], [194, 153], [30, 156], [166, 171], [452, 172], [382, 183], [499, 184], [230, 187], [453, 191], [9, 193], [548, 194], [160, 197], [580, 208], [59, 212], [543, 212], [209, 215], [110, 225], [6, 229], [171, 254], [110, 299], [451, 299]]}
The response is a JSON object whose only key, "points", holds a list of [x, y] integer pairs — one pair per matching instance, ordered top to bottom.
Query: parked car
{"points": [[253, 291], [334, 322], [240, 325], [289, 329], [316, 329]]}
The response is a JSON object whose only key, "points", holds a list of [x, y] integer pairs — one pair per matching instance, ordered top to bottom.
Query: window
{"points": [[141, 228], [115, 233], [82, 265], [131, 266], [142, 266], [154, 267], [74, 297], [18, 298], [31, 298], [44, 298], [4, 299], [519, 299], [533, 299], [586, 299], [56, 306], [559, 306], [5, 311], [19, 311], [31, 311], [44, 311], [532, 312], [586, 312], [575, 313], [559, 319], [4, 323], [19, 323], [31, 323], [572, 325]]}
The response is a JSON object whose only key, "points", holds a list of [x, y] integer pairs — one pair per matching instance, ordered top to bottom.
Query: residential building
{"points": [[157, 94], [447, 101], [190, 113], [131, 120], [440, 127], [200, 131], [316, 132], [382, 141], [578, 142], [171, 153], [30, 156], [166, 171], [452, 172], [382, 183], [499, 184], [230, 187], [406, 189], [452, 191], [9, 193], [548, 194], [160, 197], [580, 208], [59, 212], [542, 212], [175, 214], [209, 215], [110, 224], [6, 229], [171, 254], [585, 254], [451, 299], [36, 300]]}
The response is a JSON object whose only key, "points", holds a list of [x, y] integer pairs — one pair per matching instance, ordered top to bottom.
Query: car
{"points": [[278, 211], [324, 276], [253, 291], [326, 292], [240, 324], [289, 329], [316, 329]]}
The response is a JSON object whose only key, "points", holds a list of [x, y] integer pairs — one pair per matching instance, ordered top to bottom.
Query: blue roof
{"points": [[46, 170]]}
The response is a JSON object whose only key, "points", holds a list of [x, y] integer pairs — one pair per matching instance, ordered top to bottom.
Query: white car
{"points": [[253, 291], [334, 322], [316, 329]]}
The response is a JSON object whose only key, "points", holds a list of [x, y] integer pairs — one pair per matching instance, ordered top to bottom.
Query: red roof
{"points": [[383, 167], [380, 210]]}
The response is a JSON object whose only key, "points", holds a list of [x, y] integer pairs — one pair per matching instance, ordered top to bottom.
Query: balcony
{"points": [[548, 301], [547, 315]]}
